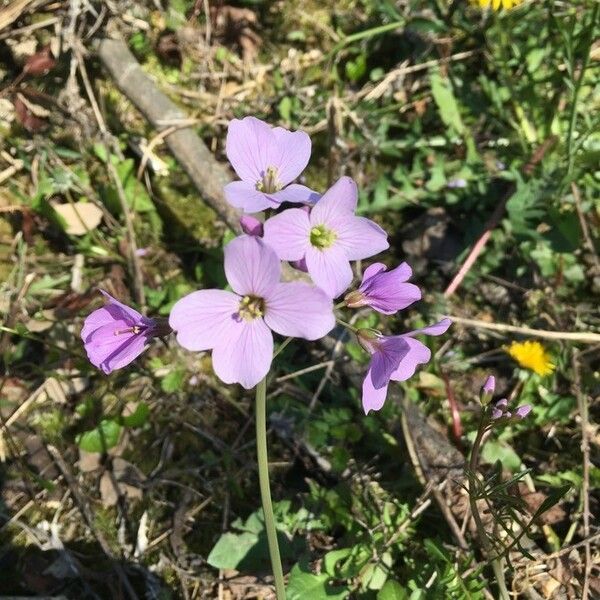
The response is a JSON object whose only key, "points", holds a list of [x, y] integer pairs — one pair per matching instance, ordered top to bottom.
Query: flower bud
{"points": [[489, 387]]}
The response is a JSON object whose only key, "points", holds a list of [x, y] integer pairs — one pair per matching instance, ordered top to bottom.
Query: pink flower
{"points": [[267, 159], [328, 238], [385, 291], [237, 325], [115, 335], [394, 358], [490, 385], [499, 411]]}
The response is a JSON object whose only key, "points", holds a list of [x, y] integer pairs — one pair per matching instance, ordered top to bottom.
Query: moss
{"points": [[50, 424]]}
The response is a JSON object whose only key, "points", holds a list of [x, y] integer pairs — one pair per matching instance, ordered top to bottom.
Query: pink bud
{"points": [[490, 385]]}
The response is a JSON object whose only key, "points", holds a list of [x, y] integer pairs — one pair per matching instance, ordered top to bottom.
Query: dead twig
{"points": [[566, 336], [585, 454]]}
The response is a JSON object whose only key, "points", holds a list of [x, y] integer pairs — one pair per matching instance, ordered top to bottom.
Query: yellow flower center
{"points": [[321, 237], [251, 307]]}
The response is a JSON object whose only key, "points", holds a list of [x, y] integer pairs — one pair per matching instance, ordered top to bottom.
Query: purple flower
{"points": [[267, 159], [251, 226], [328, 238], [385, 291], [237, 325], [114, 335], [394, 358], [490, 385], [499, 411], [522, 411]]}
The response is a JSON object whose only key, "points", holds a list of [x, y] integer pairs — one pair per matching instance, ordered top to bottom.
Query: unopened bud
{"points": [[489, 387]]}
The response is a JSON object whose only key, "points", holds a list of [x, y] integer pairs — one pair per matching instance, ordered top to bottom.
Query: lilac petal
{"points": [[251, 147], [293, 153], [295, 193], [244, 195], [340, 199], [251, 226], [288, 233], [359, 237], [300, 265], [251, 267], [329, 269], [373, 270], [387, 293], [299, 310], [110, 313], [133, 314], [201, 318], [438, 328], [109, 351], [244, 353], [418, 354], [387, 359], [490, 385], [372, 398], [502, 404], [522, 411], [496, 414]]}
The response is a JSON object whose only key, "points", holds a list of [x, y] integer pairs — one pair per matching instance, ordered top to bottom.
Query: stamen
{"points": [[269, 184], [322, 237], [251, 307], [136, 329]]}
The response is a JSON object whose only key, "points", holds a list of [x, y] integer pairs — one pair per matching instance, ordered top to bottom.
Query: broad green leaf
{"points": [[441, 89], [138, 417], [102, 438], [231, 549], [303, 585], [392, 590]]}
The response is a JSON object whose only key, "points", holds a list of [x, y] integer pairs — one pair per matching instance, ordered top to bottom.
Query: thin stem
{"points": [[347, 325], [282, 347], [265, 488], [497, 563]]}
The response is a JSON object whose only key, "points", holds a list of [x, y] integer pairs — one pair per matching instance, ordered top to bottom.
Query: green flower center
{"points": [[269, 184], [321, 237], [251, 308]]}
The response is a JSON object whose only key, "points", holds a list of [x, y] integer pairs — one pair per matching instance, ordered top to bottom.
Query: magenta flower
{"points": [[267, 159], [328, 238], [385, 291], [237, 325], [115, 335], [394, 358]]}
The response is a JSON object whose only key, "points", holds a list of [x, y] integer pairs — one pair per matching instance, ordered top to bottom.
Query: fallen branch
{"points": [[206, 173], [567, 336]]}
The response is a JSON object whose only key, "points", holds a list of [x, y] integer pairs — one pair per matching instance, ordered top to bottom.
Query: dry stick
{"points": [[206, 173], [494, 220], [587, 238], [567, 336], [585, 451], [89, 518]]}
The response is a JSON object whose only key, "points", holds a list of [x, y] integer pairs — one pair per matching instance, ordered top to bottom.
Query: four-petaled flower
{"points": [[266, 159], [328, 238], [385, 291], [237, 325], [116, 334], [394, 358]]}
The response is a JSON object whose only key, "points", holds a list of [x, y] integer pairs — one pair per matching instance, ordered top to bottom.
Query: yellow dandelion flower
{"points": [[497, 4], [531, 355]]}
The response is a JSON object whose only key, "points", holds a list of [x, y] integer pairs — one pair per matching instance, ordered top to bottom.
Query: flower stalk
{"points": [[265, 488], [498, 562]]}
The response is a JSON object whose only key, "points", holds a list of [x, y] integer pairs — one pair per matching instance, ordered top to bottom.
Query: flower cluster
{"points": [[321, 236], [499, 411]]}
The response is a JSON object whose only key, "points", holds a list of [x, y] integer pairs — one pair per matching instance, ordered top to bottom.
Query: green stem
{"points": [[347, 325], [265, 488], [497, 563]]}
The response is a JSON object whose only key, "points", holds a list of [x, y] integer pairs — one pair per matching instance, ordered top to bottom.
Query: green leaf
{"points": [[356, 69], [443, 96], [173, 381], [138, 417], [102, 438], [494, 450], [231, 549], [303, 585], [392, 590]]}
